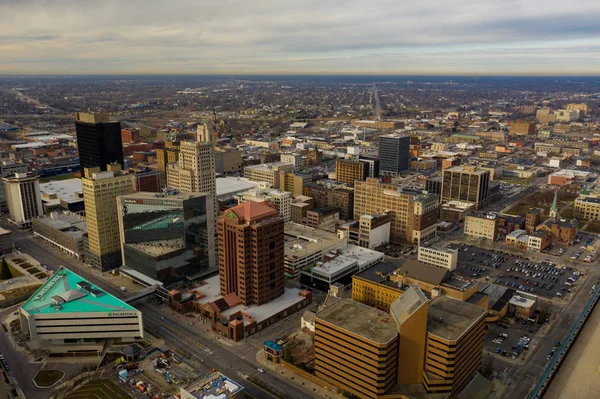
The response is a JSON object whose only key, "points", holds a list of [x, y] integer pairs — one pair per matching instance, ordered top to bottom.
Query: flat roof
{"points": [[268, 167], [232, 185], [65, 190], [171, 195], [65, 222], [301, 240], [153, 248], [423, 272], [67, 292], [289, 298], [521, 299], [450, 318], [360, 319], [215, 386]]}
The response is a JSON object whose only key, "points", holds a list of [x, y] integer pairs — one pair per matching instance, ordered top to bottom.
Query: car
{"points": [[162, 318], [191, 323], [498, 350], [549, 356], [1, 357], [260, 370]]}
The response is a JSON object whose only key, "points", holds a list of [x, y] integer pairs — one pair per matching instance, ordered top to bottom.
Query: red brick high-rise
{"points": [[251, 252]]}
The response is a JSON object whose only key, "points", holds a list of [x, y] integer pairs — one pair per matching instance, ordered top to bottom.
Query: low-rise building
{"points": [[267, 173], [568, 176], [281, 199], [455, 211], [323, 218], [481, 225], [66, 231], [370, 231], [6, 240], [446, 258], [523, 305], [70, 315]]}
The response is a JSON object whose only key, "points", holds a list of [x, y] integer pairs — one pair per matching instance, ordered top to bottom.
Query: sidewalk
{"points": [[281, 370]]}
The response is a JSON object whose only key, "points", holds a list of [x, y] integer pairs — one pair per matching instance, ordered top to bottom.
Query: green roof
{"points": [[67, 292]]}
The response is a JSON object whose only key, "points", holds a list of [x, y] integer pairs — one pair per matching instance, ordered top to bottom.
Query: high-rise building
{"points": [[98, 141], [393, 154], [227, 161], [371, 164], [9, 168], [195, 170], [347, 171], [145, 179], [466, 183], [433, 185], [100, 192], [332, 194], [24, 198], [413, 213], [167, 234], [251, 253], [356, 348]]}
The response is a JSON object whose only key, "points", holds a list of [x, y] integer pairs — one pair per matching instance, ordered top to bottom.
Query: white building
{"points": [[563, 115], [293, 159], [9, 168], [23, 198], [281, 199], [446, 258], [69, 315]]}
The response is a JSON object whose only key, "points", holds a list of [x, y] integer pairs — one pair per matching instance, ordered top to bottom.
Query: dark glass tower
{"points": [[98, 141], [393, 154]]}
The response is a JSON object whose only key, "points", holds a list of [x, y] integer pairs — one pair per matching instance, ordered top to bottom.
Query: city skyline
{"points": [[431, 38]]}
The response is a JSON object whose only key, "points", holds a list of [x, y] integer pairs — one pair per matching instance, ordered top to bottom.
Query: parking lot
{"points": [[540, 278], [510, 340]]}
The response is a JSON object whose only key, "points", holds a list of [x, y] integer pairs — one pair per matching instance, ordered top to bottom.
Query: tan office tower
{"points": [[195, 170], [347, 171], [100, 192], [23, 198], [413, 213], [251, 254], [455, 332], [356, 348]]}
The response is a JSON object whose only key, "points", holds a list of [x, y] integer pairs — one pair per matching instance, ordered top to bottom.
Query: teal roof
{"points": [[67, 292]]}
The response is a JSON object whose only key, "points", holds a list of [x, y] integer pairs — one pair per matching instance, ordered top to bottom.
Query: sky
{"points": [[459, 37]]}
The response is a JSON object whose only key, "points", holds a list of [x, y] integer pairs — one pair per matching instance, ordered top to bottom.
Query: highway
{"points": [[238, 360]]}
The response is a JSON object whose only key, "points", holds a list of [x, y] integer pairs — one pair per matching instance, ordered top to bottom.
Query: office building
{"points": [[522, 128], [130, 136], [98, 141], [393, 154], [165, 156], [294, 159], [227, 161], [371, 165], [9, 168], [195, 170], [347, 171], [267, 173], [145, 180], [292, 182], [466, 183], [433, 185], [100, 192], [332, 194], [63, 195], [23, 198], [281, 199], [301, 204], [455, 211], [413, 213], [323, 218], [481, 225], [64, 230], [370, 231], [167, 234], [7, 241], [251, 254], [446, 258], [69, 315], [455, 332], [356, 348]]}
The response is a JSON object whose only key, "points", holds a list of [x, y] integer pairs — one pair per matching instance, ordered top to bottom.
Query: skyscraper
{"points": [[98, 141], [393, 154], [195, 170], [100, 192], [24, 198], [251, 254]]}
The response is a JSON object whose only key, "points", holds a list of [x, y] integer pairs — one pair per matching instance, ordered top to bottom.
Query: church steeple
{"points": [[554, 207]]}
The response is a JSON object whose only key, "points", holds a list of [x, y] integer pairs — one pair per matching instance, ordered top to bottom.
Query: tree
{"points": [[5, 273]]}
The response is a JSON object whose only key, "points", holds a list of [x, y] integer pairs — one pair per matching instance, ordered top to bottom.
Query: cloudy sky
{"points": [[307, 36]]}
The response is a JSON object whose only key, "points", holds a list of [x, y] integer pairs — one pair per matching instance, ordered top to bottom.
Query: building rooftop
{"points": [[269, 167], [227, 186], [68, 190], [170, 195], [250, 211], [66, 222], [301, 240], [158, 248], [423, 272], [67, 292], [523, 300], [408, 303], [450, 318], [360, 319], [215, 386]]}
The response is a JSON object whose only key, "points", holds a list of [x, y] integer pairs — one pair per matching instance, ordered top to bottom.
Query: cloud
{"points": [[312, 36]]}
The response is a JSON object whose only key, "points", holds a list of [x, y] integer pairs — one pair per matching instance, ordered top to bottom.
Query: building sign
{"points": [[136, 201], [174, 203], [121, 314]]}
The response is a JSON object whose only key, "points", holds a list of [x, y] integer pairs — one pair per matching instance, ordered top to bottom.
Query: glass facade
{"points": [[165, 237]]}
